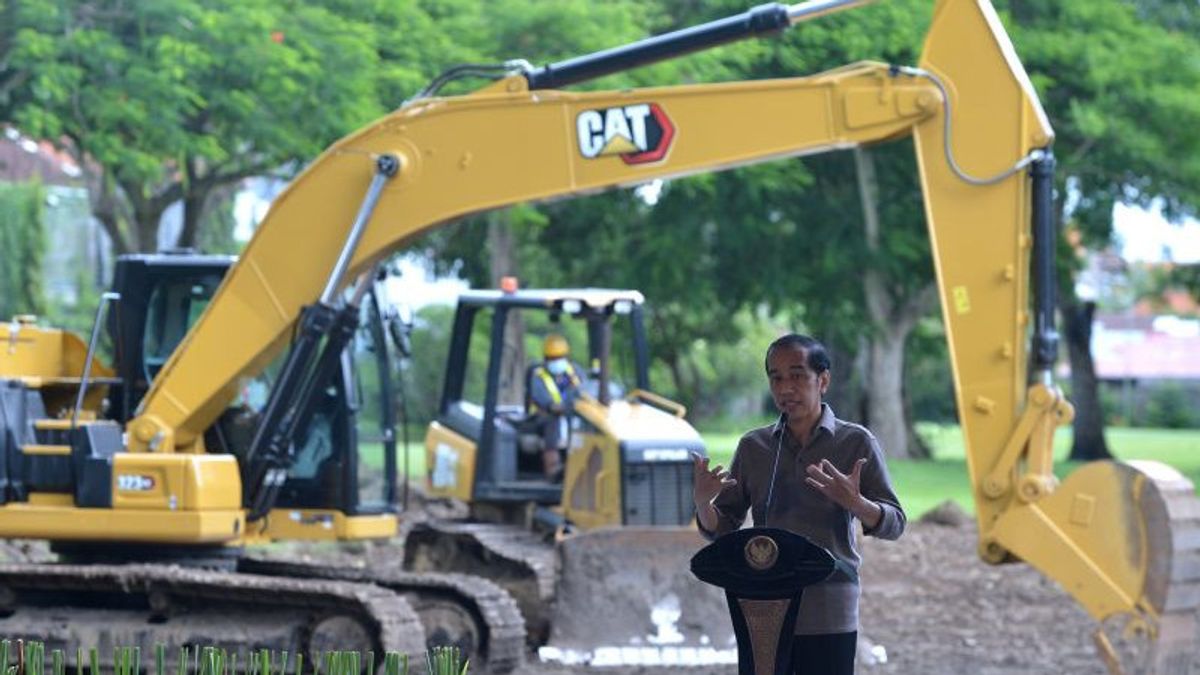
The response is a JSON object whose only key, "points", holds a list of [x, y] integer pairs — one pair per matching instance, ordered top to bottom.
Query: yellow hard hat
{"points": [[555, 346]]}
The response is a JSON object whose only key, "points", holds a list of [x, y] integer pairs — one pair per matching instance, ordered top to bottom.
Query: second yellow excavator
{"points": [[627, 481], [1121, 539]]}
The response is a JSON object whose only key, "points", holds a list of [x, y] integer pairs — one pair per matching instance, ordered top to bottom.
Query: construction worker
{"points": [[554, 385]]}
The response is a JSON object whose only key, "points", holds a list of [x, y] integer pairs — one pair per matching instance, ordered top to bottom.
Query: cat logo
{"points": [[638, 133]]}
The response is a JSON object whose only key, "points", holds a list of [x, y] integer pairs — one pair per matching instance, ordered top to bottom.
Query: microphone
{"points": [[775, 468]]}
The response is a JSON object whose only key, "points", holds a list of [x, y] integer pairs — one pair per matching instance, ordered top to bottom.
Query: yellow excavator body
{"points": [[51, 361]]}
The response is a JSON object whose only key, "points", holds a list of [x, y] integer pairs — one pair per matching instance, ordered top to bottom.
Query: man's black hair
{"points": [[818, 356]]}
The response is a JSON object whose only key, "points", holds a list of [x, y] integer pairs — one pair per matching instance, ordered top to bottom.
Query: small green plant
{"points": [[31, 660], [446, 661], [395, 663]]}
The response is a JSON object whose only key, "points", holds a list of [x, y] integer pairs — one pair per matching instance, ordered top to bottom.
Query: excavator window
{"points": [[174, 306], [374, 364]]}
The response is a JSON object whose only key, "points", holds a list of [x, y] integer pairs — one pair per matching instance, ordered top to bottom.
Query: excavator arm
{"points": [[501, 146], [1109, 534]]}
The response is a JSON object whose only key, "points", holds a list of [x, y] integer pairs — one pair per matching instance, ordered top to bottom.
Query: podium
{"points": [[764, 572]]}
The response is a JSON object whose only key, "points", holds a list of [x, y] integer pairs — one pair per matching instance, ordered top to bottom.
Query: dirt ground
{"points": [[929, 607], [934, 608]]}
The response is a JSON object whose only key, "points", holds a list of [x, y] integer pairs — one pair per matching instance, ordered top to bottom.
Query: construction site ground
{"points": [[929, 607], [933, 608]]}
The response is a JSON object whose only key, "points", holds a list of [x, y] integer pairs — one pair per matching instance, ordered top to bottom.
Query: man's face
{"points": [[557, 366], [795, 388]]}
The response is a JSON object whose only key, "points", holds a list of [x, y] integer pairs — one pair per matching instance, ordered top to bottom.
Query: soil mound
{"points": [[948, 513]]}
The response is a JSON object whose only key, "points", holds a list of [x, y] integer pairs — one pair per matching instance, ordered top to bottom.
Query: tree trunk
{"points": [[102, 200], [193, 210], [147, 216], [146, 227], [503, 262], [893, 322], [862, 363], [676, 374], [696, 391], [845, 393], [885, 396], [1088, 442], [917, 445]]}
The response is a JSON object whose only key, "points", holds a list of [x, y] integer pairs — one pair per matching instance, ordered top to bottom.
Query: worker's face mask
{"points": [[557, 366]]}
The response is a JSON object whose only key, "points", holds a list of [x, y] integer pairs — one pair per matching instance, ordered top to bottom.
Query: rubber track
{"points": [[510, 543], [528, 562], [393, 621], [502, 626]]}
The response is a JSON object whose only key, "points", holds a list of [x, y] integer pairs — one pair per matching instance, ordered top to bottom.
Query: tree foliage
{"points": [[1121, 94], [176, 100], [167, 101], [21, 246]]}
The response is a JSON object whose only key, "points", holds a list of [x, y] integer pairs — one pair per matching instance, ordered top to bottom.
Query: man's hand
{"points": [[706, 483], [842, 489]]}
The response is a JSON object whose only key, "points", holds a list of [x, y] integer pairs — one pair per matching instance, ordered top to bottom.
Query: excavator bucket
{"points": [[1171, 514], [1124, 539], [626, 597]]}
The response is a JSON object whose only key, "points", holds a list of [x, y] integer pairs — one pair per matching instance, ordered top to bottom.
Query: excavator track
{"points": [[523, 563], [67, 606], [455, 609]]}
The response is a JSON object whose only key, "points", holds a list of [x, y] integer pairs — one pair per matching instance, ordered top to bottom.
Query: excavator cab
{"points": [[162, 295], [344, 471]]}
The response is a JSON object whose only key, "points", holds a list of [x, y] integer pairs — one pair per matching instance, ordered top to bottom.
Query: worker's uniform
{"points": [[549, 392]]}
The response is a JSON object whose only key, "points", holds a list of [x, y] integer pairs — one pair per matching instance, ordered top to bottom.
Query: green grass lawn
{"points": [[923, 485]]}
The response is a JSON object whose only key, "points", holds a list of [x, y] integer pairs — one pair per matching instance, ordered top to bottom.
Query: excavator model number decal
{"points": [[638, 133], [130, 482]]}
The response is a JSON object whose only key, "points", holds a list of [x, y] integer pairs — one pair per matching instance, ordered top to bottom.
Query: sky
{"points": [[1145, 236]]}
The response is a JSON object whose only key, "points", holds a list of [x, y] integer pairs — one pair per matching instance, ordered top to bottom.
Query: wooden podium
{"points": [[764, 572]]}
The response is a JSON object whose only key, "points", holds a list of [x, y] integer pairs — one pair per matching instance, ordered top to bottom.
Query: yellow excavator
{"points": [[65, 479], [1121, 539]]}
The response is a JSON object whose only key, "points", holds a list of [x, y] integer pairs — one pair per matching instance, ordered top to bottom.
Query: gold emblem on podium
{"points": [[761, 552]]}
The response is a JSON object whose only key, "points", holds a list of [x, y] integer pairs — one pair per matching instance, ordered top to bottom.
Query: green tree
{"points": [[1176, 15], [1121, 94], [168, 101], [217, 223], [795, 234], [21, 246], [1188, 277]]}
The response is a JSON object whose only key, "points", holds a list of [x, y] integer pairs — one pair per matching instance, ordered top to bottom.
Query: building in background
{"points": [[1150, 369]]}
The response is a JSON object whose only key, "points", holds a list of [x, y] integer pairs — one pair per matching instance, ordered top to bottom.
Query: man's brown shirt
{"points": [[832, 606]]}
